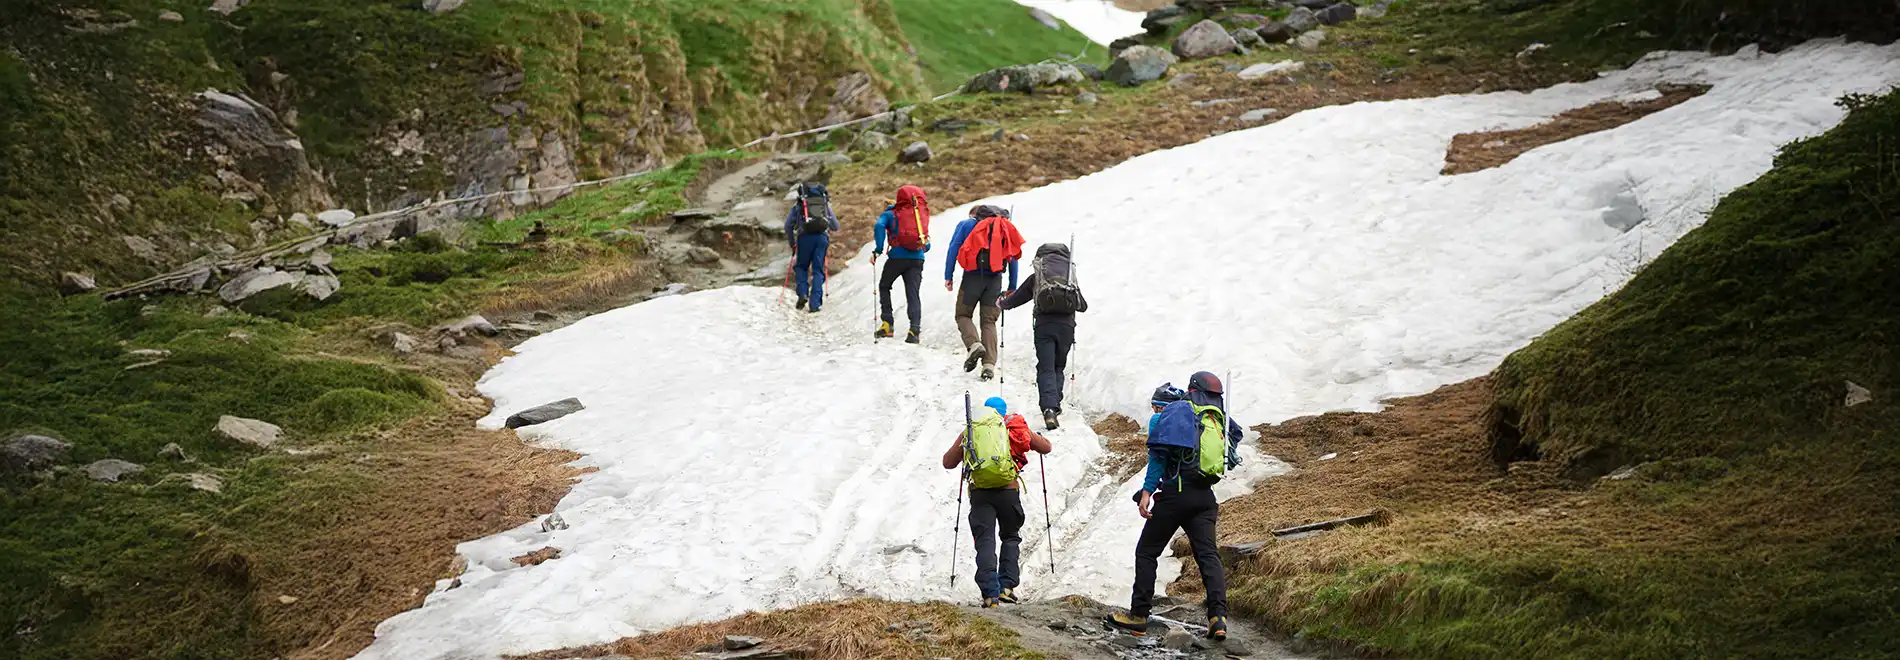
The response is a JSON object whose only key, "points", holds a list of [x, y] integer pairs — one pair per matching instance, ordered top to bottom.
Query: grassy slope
{"points": [[957, 38]]}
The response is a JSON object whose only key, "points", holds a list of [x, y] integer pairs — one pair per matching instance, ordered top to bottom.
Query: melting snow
{"points": [[1099, 20], [754, 457]]}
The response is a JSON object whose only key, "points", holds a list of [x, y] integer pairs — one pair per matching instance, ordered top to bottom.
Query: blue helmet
{"points": [[997, 403]]}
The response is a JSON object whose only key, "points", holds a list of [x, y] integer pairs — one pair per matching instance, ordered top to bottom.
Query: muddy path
{"points": [[1075, 627]]}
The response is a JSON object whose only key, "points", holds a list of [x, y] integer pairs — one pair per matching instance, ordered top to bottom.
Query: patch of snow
{"points": [[1099, 20], [1644, 96], [754, 457]]}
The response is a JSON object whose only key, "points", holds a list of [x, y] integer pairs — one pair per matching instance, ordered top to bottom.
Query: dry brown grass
{"points": [[1471, 152], [1127, 445], [537, 557], [839, 630]]}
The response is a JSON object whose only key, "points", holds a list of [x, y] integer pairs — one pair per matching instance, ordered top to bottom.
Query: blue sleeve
{"points": [[833, 217], [791, 224], [877, 232], [956, 245], [1012, 274], [1234, 434], [1158, 460]]}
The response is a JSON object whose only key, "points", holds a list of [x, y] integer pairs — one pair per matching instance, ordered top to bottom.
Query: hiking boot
{"points": [[801, 302], [813, 309], [883, 331], [911, 337], [976, 355], [989, 373], [1049, 419], [1009, 596], [992, 602], [1138, 625], [1217, 628]]}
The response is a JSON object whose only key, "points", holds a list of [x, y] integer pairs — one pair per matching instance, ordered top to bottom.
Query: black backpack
{"points": [[816, 204], [1056, 292]]}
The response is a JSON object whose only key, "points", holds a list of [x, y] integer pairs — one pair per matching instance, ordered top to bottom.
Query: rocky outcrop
{"points": [[1140, 64], [1025, 78], [854, 95], [257, 157], [32, 453]]}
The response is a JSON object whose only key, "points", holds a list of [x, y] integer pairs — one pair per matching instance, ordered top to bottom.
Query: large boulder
{"points": [[1336, 14], [1301, 19], [1159, 20], [1275, 33], [1203, 40], [1310, 41], [1116, 47], [1140, 64], [1024, 78], [916, 152], [262, 154], [254, 282], [72, 284], [544, 413], [252, 432], [32, 453], [112, 469]]}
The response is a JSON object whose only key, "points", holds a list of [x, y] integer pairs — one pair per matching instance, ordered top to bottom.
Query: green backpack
{"points": [[1213, 442], [986, 456]]}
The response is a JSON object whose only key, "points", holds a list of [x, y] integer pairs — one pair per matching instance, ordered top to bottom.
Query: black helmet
{"points": [[1204, 381], [1167, 394]]}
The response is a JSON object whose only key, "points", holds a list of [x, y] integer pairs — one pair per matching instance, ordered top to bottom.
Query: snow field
{"points": [[1099, 20], [753, 457]]}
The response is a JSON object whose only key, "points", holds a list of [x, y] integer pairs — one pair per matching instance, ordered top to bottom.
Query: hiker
{"points": [[907, 222], [808, 228], [984, 244], [1057, 301], [1163, 396], [999, 447], [1188, 452]]}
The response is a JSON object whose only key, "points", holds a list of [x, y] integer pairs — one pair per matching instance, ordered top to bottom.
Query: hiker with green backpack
{"points": [[1191, 445], [992, 450]]}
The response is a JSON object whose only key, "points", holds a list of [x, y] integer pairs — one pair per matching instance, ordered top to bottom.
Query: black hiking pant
{"points": [[912, 270], [1054, 338], [996, 511], [1196, 511]]}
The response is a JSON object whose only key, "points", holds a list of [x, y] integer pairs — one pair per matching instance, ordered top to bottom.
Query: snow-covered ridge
{"points": [[753, 457]]}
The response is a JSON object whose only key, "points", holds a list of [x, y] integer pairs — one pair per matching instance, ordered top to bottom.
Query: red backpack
{"points": [[913, 219]]}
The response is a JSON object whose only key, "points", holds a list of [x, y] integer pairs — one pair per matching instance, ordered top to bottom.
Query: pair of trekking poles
{"points": [[956, 520]]}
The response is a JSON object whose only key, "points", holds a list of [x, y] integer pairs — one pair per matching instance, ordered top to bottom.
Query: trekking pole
{"points": [[788, 280], [875, 299], [1002, 339], [1073, 366], [969, 428], [1048, 535]]}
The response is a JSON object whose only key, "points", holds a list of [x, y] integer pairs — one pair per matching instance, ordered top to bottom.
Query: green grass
{"points": [[956, 39]]}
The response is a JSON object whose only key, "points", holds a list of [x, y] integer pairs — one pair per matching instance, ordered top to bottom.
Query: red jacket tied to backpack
{"points": [[912, 213], [997, 235]]}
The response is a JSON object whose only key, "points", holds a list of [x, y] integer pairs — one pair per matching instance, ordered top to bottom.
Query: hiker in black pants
{"points": [[907, 224], [1057, 300], [1001, 445], [1178, 494]]}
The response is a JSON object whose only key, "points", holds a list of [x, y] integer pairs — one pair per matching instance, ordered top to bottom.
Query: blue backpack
{"points": [[1198, 435]]}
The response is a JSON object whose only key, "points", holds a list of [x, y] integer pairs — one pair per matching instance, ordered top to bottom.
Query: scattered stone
{"points": [[1314, 5], [226, 7], [440, 7], [1377, 10], [1337, 14], [171, 17], [1045, 19], [1159, 20], [1255, 20], [1301, 20], [1247, 37], [1203, 40], [1310, 41], [1116, 47], [1445, 54], [1140, 64], [1265, 69], [1091, 71], [1024, 78], [1087, 98], [1257, 116], [951, 125], [998, 135], [873, 141], [916, 152], [633, 209], [336, 217], [301, 220], [141, 247], [702, 255], [255, 282], [72, 284], [320, 286], [474, 323], [238, 335], [404, 344], [139, 354], [1857, 395], [544, 413], [249, 431], [172, 451], [32, 453], [111, 469], [1622, 473], [205, 482], [554, 522], [1232, 553], [286, 599], [1059, 624], [1126, 641], [740, 642], [1202, 644], [1236, 647]]}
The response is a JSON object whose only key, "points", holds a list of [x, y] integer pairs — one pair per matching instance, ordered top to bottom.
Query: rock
{"points": [[1314, 5], [226, 7], [440, 7], [1373, 11], [1337, 14], [171, 17], [1045, 19], [1159, 20], [1301, 20], [1250, 21], [1275, 33], [1246, 38], [1203, 40], [1310, 41], [1116, 47], [1446, 54], [1140, 64], [1265, 69], [1091, 71], [1024, 78], [854, 95], [1088, 98], [1257, 116], [951, 125], [998, 135], [873, 141], [260, 149], [916, 152], [336, 217], [301, 220], [141, 248], [702, 255], [321, 259], [254, 282], [72, 284], [320, 286], [674, 289], [475, 323], [238, 335], [404, 344], [139, 354], [1857, 395], [544, 413], [249, 431], [172, 451], [32, 453], [111, 469], [1622, 474], [205, 482], [554, 522], [1232, 553], [286, 599], [1059, 624], [1126, 641], [739, 642], [1202, 644], [1236, 647]]}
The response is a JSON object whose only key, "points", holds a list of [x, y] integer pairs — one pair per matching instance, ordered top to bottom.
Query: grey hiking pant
{"points": [[979, 290], [994, 511]]}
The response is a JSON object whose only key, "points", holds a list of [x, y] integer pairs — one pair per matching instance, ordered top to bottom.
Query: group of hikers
{"points": [[986, 247], [1192, 442]]}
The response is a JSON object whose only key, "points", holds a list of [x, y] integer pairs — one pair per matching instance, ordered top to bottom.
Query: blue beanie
{"points": [[997, 403]]}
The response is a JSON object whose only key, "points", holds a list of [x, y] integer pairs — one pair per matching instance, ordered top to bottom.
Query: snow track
{"points": [[754, 457]]}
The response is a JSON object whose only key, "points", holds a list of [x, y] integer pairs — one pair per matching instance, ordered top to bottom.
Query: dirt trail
{"points": [[1074, 627]]}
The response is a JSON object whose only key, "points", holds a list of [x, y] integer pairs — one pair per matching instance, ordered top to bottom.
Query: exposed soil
{"points": [[1472, 152], [1127, 445]]}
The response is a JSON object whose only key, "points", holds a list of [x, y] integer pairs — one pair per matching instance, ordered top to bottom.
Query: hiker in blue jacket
{"points": [[808, 229], [905, 263], [983, 288]]}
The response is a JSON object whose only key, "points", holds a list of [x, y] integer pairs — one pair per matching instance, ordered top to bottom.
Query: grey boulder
{"points": [[1337, 14], [1301, 19], [1203, 40], [1140, 64], [1024, 78], [916, 152], [544, 413], [249, 431], [31, 453], [112, 469]]}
